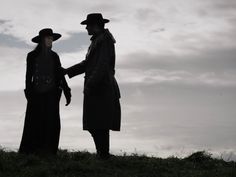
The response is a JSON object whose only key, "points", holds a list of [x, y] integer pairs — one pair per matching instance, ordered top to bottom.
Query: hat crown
{"points": [[94, 18], [46, 32]]}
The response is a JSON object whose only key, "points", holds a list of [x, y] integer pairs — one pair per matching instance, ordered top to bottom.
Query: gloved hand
{"points": [[63, 71], [67, 94]]}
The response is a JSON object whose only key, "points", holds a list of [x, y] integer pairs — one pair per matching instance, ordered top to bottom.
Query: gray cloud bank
{"points": [[11, 41], [74, 43], [166, 117]]}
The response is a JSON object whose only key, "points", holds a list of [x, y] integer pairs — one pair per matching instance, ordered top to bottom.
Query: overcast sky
{"points": [[175, 66]]}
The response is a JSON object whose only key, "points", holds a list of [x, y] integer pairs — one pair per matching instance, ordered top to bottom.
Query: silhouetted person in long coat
{"points": [[44, 85], [101, 108]]}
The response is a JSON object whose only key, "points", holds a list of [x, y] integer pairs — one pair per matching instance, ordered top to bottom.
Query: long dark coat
{"points": [[101, 107], [42, 120]]}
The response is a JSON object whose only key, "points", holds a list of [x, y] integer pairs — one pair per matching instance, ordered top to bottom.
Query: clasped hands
{"points": [[87, 90]]}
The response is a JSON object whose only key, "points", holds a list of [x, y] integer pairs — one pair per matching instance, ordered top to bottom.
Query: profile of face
{"points": [[90, 29], [93, 29], [48, 41]]}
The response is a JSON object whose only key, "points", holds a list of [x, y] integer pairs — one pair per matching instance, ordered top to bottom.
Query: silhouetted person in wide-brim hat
{"points": [[43, 87], [101, 109]]}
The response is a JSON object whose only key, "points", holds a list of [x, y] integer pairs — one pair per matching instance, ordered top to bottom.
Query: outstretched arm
{"points": [[76, 69]]}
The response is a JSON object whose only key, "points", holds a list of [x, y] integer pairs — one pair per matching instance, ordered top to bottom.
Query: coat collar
{"points": [[102, 35]]}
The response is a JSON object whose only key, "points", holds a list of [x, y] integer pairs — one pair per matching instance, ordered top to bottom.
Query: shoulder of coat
{"points": [[106, 37], [55, 54], [31, 55]]}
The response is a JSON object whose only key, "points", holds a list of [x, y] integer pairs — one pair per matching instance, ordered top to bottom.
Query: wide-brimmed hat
{"points": [[94, 18], [46, 32]]}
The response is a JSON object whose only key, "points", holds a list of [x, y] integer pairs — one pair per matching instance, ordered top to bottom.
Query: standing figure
{"points": [[44, 85], [101, 107]]}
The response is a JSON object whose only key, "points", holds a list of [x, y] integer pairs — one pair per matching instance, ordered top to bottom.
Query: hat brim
{"points": [[85, 22], [55, 36]]}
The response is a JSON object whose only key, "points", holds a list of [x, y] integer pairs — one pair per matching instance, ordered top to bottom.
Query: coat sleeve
{"points": [[102, 66], [76, 69], [64, 85], [66, 89]]}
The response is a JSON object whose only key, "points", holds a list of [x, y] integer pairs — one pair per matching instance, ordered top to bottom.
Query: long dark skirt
{"points": [[42, 124]]}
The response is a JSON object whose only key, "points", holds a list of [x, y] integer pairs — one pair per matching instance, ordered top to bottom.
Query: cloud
{"points": [[226, 6], [108, 7], [220, 13], [145, 15], [3, 21], [26, 25], [133, 25], [11, 41], [75, 42], [217, 60], [12, 67], [207, 67], [151, 77], [169, 116], [179, 116]]}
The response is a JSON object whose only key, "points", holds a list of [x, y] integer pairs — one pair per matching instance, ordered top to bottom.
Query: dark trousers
{"points": [[101, 140]]}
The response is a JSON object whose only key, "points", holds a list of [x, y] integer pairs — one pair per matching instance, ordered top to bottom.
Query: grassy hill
{"points": [[84, 164]]}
